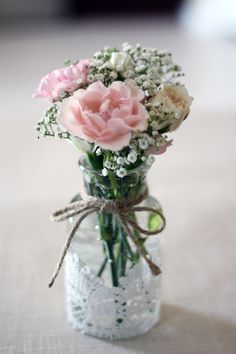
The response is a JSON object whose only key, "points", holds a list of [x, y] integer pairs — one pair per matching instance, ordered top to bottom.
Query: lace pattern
{"points": [[111, 312]]}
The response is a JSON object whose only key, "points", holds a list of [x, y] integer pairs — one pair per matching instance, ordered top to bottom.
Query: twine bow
{"points": [[122, 209]]}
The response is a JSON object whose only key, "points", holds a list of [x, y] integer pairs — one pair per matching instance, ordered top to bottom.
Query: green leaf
{"points": [[155, 222]]}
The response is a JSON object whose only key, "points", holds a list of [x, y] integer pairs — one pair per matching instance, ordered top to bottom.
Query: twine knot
{"points": [[122, 208]]}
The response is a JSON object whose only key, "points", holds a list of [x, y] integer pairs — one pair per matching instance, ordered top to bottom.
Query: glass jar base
{"points": [[119, 332]]}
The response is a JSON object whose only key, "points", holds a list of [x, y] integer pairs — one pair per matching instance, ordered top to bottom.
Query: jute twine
{"points": [[123, 210]]}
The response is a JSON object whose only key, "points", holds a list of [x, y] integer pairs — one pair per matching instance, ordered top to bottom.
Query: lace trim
{"points": [[111, 312]]}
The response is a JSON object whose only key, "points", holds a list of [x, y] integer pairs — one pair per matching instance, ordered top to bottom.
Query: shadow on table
{"points": [[181, 330]]}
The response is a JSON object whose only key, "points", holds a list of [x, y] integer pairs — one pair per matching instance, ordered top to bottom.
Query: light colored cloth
{"points": [[194, 180]]}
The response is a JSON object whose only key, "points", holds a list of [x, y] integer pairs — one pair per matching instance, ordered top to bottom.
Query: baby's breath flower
{"points": [[126, 46], [98, 63], [140, 68], [128, 74], [113, 75], [99, 77], [143, 77], [138, 80], [146, 84], [152, 114], [154, 123], [155, 133], [143, 143], [98, 152], [132, 156], [120, 160], [150, 160], [108, 164], [104, 172], [121, 172]]}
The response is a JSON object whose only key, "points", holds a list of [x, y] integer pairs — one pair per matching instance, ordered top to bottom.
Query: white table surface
{"points": [[195, 182]]}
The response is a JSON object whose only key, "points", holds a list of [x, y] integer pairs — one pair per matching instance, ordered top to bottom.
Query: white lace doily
{"points": [[111, 312]]}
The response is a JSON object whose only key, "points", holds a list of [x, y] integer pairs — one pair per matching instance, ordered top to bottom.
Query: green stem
{"points": [[109, 248], [130, 253], [121, 258], [102, 268]]}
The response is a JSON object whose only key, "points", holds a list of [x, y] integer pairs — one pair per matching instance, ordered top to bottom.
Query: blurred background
{"points": [[194, 180]]}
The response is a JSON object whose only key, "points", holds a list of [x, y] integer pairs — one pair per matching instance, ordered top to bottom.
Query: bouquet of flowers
{"points": [[119, 108]]}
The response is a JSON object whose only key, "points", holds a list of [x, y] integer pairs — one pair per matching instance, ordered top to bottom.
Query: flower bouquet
{"points": [[118, 109]]}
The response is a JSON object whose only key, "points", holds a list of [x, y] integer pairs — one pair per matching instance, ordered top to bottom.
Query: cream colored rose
{"points": [[121, 61], [175, 100]]}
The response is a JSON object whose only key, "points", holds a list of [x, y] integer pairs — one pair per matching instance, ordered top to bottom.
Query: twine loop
{"points": [[123, 210]]}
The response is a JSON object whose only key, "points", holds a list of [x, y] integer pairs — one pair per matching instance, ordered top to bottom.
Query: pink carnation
{"points": [[62, 80], [106, 116]]}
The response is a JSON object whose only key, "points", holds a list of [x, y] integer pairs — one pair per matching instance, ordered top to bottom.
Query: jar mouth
{"points": [[86, 167]]}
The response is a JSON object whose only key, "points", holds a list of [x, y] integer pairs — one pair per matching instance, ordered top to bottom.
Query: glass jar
{"points": [[110, 290]]}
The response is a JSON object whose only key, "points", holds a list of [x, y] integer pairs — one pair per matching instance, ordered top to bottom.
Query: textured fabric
{"points": [[194, 180]]}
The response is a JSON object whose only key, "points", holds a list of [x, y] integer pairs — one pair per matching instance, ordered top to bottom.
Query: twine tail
{"points": [[67, 245], [153, 267]]}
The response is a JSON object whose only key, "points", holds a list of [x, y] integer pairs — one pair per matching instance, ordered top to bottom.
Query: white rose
{"points": [[121, 60], [174, 99]]}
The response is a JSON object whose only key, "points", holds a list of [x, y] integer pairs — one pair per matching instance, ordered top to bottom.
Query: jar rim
{"points": [[84, 166]]}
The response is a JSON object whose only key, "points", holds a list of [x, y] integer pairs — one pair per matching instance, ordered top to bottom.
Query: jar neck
{"points": [[112, 186]]}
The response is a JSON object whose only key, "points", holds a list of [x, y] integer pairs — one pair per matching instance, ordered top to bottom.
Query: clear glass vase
{"points": [[110, 290]]}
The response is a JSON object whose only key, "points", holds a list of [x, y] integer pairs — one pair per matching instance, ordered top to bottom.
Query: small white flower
{"points": [[126, 46], [97, 54], [140, 62], [140, 68], [152, 72], [128, 74], [113, 75], [99, 77], [143, 77], [138, 80], [146, 84], [152, 114], [154, 124], [155, 133], [143, 143], [98, 152], [132, 156], [143, 158], [120, 160], [150, 160], [108, 164], [104, 172], [121, 172]]}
